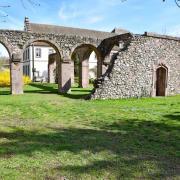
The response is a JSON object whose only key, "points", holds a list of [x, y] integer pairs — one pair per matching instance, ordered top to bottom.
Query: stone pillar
{"points": [[52, 68], [101, 69], [84, 73], [16, 75], [64, 80]]}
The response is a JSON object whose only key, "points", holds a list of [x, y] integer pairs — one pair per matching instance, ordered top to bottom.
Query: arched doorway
{"points": [[86, 61], [41, 62], [5, 70], [161, 81]]}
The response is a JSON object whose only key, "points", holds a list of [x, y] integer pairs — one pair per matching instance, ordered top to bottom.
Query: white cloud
{"points": [[68, 12], [80, 13], [94, 19]]}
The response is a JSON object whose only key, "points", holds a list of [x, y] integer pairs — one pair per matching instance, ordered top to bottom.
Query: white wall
{"points": [[3, 51], [40, 63], [92, 65]]}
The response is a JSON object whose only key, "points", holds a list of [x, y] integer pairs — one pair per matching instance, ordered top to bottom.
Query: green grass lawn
{"points": [[44, 135]]}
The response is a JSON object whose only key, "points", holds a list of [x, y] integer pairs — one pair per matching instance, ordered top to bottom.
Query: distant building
{"points": [[35, 59]]}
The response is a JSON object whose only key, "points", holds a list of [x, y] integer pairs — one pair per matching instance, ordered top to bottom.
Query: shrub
{"points": [[5, 79], [26, 80]]}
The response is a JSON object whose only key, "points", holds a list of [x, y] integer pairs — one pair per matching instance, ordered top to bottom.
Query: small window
{"points": [[38, 52], [28, 53], [23, 56], [23, 70], [27, 74]]}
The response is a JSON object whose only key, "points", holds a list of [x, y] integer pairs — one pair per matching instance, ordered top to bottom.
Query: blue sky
{"points": [[136, 16]]}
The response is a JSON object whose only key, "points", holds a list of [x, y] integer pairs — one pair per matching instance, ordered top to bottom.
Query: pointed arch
{"points": [[161, 80]]}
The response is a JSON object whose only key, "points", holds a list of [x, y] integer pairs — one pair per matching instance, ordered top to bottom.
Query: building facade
{"points": [[35, 61], [36, 64]]}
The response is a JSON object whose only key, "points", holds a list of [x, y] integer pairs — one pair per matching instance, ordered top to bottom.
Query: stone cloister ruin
{"points": [[128, 65]]}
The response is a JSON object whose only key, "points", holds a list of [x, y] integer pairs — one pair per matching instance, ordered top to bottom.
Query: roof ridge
{"points": [[68, 27]]}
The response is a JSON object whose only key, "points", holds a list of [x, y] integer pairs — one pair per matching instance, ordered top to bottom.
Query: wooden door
{"points": [[161, 75]]}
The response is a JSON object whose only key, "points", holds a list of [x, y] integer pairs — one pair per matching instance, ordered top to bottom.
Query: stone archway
{"points": [[83, 52], [57, 56], [5, 80], [16, 81], [161, 81]]}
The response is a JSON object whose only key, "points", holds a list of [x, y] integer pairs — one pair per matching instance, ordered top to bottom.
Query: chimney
{"points": [[27, 24]]}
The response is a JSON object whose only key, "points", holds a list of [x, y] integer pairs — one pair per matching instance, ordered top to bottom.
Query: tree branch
{"points": [[176, 1], [32, 2]]}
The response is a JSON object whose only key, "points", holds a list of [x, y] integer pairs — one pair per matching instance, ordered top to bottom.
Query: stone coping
{"points": [[155, 35]]}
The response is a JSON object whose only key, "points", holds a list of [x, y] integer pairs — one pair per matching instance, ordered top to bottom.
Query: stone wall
{"points": [[18, 40], [133, 72]]}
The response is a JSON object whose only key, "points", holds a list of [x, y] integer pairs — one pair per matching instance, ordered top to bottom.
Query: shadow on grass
{"points": [[43, 88], [4, 91], [78, 93], [175, 116], [134, 145]]}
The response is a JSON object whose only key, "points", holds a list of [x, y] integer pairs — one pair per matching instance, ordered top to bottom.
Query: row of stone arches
{"points": [[82, 50]]}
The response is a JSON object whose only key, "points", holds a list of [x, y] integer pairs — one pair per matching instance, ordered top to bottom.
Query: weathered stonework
{"points": [[64, 40], [139, 65], [133, 72]]}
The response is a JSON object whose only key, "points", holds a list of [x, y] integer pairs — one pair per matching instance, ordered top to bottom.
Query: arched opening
{"points": [[113, 53], [41, 63], [87, 65], [5, 72], [161, 81]]}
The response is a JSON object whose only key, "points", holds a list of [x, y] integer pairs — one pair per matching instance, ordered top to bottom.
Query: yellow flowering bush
{"points": [[5, 78], [26, 80]]}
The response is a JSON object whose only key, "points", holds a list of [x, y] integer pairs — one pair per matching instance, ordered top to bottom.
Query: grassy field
{"points": [[44, 135]]}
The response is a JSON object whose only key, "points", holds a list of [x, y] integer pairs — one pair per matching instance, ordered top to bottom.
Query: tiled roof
{"points": [[51, 29]]}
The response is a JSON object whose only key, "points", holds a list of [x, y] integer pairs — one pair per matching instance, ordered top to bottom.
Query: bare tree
{"points": [[176, 1], [30, 2], [25, 4], [3, 17]]}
